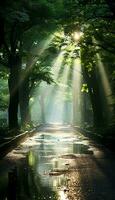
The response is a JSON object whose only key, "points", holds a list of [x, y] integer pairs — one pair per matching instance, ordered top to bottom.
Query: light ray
{"points": [[40, 50], [57, 64], [77, 79], [104, 79], [105, 89], [49, 90], [56, 114]]}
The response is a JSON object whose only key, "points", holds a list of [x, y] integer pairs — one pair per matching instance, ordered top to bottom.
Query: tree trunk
{"points": [[13, 84], [25, 92], [95, 97], [24, 98], [13, 99]]}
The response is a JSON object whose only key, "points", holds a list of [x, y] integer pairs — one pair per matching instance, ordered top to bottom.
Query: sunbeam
{"points": [[38, 51], [32, 60], [57, 64], [77, 78], [104, 79], [105, 84], [52, 89], [46, 93], [55, 98], [57, 110]]}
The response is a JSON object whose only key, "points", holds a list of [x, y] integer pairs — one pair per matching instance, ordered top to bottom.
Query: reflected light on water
{"points": [[63, 195]]}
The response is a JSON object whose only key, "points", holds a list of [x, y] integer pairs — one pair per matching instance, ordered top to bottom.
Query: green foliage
{"points": [[19, 16], [26, 24], [40, 73], [84, 88], [3, 91]]}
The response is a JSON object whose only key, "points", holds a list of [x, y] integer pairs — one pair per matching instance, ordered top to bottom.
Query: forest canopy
{"points": [[34, 33]]}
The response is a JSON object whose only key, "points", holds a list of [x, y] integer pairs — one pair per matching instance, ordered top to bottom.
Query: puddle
{"points": [[81, 149], [41, 174]]}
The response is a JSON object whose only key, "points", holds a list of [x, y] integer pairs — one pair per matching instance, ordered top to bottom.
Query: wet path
{"points": [[58, 163]]}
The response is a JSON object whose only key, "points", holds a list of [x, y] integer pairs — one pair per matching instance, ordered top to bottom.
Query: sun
{"points": [[77, 35]]}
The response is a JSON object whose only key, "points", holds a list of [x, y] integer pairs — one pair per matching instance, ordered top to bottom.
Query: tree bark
{"points": [[13, 84], [95, 97], [24, 98], [13, 100]]}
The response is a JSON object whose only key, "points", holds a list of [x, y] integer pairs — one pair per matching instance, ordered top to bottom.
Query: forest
{"points": [[57, 64], [57, 100]]}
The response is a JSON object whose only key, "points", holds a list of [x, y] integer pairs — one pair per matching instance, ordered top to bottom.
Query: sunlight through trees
{"points": [[40, 45]]}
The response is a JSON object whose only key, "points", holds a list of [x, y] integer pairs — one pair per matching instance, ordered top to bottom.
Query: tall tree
{"points": [[21, 16]]}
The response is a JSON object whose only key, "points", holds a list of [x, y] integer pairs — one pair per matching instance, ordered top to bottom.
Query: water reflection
{"points": [[81, 149], [42, 172]]}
